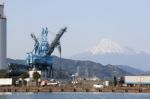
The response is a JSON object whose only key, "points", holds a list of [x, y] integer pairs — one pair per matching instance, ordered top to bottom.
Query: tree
{"points": [[23, 76], [36, 76], [115, 81], [121, 81]]}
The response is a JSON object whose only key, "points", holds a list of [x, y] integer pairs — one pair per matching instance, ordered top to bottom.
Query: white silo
{"points": [[2, 38]]}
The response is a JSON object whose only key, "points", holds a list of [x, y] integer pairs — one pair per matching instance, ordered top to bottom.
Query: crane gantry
{"points": [[40, 58]]}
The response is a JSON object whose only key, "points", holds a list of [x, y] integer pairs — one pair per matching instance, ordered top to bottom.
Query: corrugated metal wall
{"points": [[137, 79]]}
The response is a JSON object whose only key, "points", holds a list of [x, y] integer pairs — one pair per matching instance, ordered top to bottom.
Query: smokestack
{"points": [[3, 42]]}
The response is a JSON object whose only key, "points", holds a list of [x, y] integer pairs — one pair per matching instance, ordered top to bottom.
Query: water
{"points": [[68, 95]]}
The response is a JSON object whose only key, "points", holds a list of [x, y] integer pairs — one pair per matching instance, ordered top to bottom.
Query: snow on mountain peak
{"points": [[107, 46]]}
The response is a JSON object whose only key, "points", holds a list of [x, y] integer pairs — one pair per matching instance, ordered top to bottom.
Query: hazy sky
{"points": [[88, 21]]}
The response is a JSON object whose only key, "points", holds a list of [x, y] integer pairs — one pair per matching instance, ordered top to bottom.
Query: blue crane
{"points": [[40, 58]]}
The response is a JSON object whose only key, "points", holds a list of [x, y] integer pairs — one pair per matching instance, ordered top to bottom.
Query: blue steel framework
{"points": [[40, 58]]}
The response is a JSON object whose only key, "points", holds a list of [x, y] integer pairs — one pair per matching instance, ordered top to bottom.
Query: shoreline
{"points": [[77, 89]]}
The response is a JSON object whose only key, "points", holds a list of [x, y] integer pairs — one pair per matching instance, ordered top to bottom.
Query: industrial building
{"points": [[3, 36], [137, 80]]}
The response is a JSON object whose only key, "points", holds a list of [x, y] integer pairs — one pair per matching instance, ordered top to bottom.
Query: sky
{"points": [[88, 21]]}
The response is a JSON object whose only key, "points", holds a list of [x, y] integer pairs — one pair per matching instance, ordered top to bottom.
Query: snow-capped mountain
{"points": [[107, 46], [110, 52]]}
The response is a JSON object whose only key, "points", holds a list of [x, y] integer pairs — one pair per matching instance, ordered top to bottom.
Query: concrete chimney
{"points": [[3, 36]]}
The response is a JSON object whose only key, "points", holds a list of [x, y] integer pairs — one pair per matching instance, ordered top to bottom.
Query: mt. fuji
{"points": [[107, 46], [110, 52]]}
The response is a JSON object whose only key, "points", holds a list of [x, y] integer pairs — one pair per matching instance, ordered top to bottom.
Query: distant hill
{"points": [[18, 61], [86, 68], [89, 68], [131, 70]]}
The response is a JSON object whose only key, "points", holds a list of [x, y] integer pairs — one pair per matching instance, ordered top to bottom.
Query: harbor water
{"points": [[77, 95]]}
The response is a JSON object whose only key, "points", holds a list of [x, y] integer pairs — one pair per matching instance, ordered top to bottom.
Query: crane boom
{"points": [[34, 37], [56, 41], [36, 42]]}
